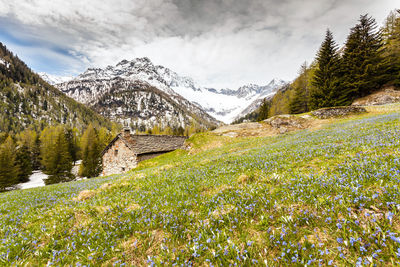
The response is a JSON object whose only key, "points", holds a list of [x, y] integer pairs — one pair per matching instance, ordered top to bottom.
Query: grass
{"points": [[327, 196]]}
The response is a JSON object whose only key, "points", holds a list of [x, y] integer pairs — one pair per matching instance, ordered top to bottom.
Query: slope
{"points": [[27, 100], [142, 106], [324, 196]]}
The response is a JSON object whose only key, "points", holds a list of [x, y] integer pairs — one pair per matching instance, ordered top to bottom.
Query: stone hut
{"points": [[126, 150]]}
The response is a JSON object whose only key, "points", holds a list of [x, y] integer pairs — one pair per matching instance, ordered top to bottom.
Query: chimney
{"points": [[126, 132]]}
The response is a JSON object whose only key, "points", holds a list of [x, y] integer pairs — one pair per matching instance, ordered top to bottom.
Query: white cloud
{"points": [[218, 42]]}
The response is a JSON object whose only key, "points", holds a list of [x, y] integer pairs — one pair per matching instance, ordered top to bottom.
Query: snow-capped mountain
{"points": [[53, 79], [134, 93], [223, 104], [228, 104]]}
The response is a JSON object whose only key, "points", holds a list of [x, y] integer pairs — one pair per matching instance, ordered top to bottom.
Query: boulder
{"points": [[286, 123]]}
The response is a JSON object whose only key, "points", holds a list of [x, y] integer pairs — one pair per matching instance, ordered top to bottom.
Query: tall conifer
{"points": [[391, 49], [363, 67], [325, 80], [300, 101], [263, 110], [91, 153], [56, 159], [23, 163], [8, 170]]}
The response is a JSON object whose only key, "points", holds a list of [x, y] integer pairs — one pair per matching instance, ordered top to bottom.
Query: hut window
{"points": [[115, 152], [123, 169]]}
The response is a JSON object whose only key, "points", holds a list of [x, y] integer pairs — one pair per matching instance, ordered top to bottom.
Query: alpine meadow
{"points": [[211, 133]]}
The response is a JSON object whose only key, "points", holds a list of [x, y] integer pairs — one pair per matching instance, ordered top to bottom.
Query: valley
{"points": [[295, 198]]}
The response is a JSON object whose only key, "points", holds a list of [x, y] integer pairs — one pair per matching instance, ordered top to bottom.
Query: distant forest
{"points": [[369, 60]]}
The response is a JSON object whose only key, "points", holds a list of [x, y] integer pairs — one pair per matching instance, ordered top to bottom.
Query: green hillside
{"points": [[28, 101], [328, 196]]}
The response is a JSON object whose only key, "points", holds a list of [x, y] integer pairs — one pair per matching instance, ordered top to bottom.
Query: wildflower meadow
{"points": [[327, 196]]}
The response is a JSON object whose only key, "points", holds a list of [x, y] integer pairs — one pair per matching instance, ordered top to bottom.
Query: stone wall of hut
{"points": [[118, 159]]}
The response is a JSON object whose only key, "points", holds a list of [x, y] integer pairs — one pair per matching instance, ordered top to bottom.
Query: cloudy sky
{"points": [[221, 43]]}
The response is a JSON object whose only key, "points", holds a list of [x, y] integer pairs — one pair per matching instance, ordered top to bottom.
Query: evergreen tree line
{"points": [[369, 60], [55, 150]]}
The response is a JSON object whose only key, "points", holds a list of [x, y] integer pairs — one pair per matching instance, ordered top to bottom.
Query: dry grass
{"points": [[210, 145], [166, 167], [243, 179], [105, 186], [210, 191], [84, 195], [133, 207], [102, 209], [223, 211], [81, 220], [317, 237], [137, 250]]}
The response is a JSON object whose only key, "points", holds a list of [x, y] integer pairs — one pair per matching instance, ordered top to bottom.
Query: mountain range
{"points": [[137, 92]]}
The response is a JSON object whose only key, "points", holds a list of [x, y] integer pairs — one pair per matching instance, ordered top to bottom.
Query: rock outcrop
{"points": [[386, 96], [327, 113], [286, 123]]}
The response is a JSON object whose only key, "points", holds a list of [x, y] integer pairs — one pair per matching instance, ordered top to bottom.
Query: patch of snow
{"points": [[3, 62], [54, 79], [75, 168], [35, 180]]}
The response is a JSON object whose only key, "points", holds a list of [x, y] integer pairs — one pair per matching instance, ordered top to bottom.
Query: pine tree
{"points": [[391, 32], [391, 49], [363, 68], [325, 80], [300, 102], [263, 110], [105, 137], [73, 145], [35, 153], [91, 153], [56, 160], [23, 163], [8, 169]]}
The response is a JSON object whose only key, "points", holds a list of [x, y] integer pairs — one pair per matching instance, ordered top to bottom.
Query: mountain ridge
{"points": [[106, 91], [223, 104]]}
